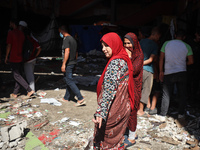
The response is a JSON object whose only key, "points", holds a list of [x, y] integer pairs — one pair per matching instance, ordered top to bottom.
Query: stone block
{"points": [[13, 132]]}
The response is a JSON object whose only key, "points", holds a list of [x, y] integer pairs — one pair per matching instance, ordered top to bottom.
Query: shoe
{"points": [[29, 94], [62, 100], [80, 104], [147, 109], [153, 112], [146, 115], [161, 118], [127, 143]]}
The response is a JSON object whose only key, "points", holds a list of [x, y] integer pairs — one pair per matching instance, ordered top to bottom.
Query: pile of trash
{"points": [[25, 126], [174, 134]]}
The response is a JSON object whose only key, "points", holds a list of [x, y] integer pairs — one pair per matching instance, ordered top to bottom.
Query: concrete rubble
{"points": [[62, 126]]}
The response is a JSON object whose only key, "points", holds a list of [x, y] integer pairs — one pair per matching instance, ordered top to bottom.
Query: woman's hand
{"points": [[97, 121]]}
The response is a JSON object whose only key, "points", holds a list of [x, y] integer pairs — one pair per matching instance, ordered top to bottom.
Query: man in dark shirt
{"points": [[69, 48]]}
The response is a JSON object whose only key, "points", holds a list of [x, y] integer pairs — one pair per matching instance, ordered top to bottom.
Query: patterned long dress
{"points": [[113, 106]]}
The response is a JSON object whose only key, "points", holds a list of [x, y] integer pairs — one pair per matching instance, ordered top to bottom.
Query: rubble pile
{"points": [[23, 117], [171, 134]]}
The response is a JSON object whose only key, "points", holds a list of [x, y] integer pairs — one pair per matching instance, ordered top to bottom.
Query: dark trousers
{"points": [[180, 79], [19, 80], [71, 86]]}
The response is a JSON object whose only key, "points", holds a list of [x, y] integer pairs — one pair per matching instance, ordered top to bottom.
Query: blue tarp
{"points": [[88, 37]]}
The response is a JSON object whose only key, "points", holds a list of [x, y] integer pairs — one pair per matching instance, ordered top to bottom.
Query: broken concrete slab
{"points": [[10, 133]]}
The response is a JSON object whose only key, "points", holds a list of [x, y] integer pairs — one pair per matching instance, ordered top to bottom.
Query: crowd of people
{"points": [[137, 73]]}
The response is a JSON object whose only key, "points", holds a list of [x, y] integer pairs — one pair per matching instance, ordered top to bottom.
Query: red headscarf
{"points": [[118, 52], [137, 61]]}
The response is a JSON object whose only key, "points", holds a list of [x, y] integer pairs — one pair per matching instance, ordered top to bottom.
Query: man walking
{"points": [[15, 40], [69, 51], [175, 54]]}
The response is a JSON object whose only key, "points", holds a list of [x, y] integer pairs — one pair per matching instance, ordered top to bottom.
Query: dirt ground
{"points": [[49, 80]]}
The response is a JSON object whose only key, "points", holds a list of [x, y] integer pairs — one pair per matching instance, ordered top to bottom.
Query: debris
{"points": [[57, 89], [42, 93], [52, 101], [17, 105], [2, 106], [36, 106], [23, 112], [38, 114], [4, 115], [11, 117], [64, 119], [74, 123], [163, 125], [38, 126], [13, 132], [47, 138], [169, 140], [34, 143], [191, 143]]}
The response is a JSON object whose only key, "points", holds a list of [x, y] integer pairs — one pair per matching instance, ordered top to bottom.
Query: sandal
{"points": [[13, 95], [29, 95], [26, 97], [62, 100], [80, 104], [146, 115], [127, 143]]}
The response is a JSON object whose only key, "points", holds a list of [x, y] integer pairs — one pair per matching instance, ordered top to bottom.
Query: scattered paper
{"points": [[52, 101], [74, 123]]}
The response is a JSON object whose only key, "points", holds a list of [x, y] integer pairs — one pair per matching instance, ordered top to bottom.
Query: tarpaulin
{"points": [[88, 37]]}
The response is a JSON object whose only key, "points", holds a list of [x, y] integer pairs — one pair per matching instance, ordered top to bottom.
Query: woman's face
{"points": [[127, 43], [106, 49]]}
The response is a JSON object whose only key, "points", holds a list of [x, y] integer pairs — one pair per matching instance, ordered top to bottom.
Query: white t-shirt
{"points": [[176, 52]]}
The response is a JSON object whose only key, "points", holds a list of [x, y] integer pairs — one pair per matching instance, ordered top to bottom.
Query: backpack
{"points": [[28, 48]]}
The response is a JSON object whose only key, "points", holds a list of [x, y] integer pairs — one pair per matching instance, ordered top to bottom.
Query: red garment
{"points": [[16, 39], [35, 46], [118, 52], [137, 61]]}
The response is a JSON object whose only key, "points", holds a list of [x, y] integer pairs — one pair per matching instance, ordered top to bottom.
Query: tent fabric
{"points": [[88, 37], [49, 39]]}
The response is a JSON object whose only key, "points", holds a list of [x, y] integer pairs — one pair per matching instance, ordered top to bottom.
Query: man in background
{"points": [[15, 40], [69, 52]]}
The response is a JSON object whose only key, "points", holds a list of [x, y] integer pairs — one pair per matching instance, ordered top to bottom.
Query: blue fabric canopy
{"points": [[88, 37]]}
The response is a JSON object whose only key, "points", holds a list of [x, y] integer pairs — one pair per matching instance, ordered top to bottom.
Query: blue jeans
{"points": [[180, 79], [71, 86]]}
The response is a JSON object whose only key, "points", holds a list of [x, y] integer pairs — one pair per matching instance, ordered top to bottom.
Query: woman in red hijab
{"points": [[135, 53], [115, 95]]}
